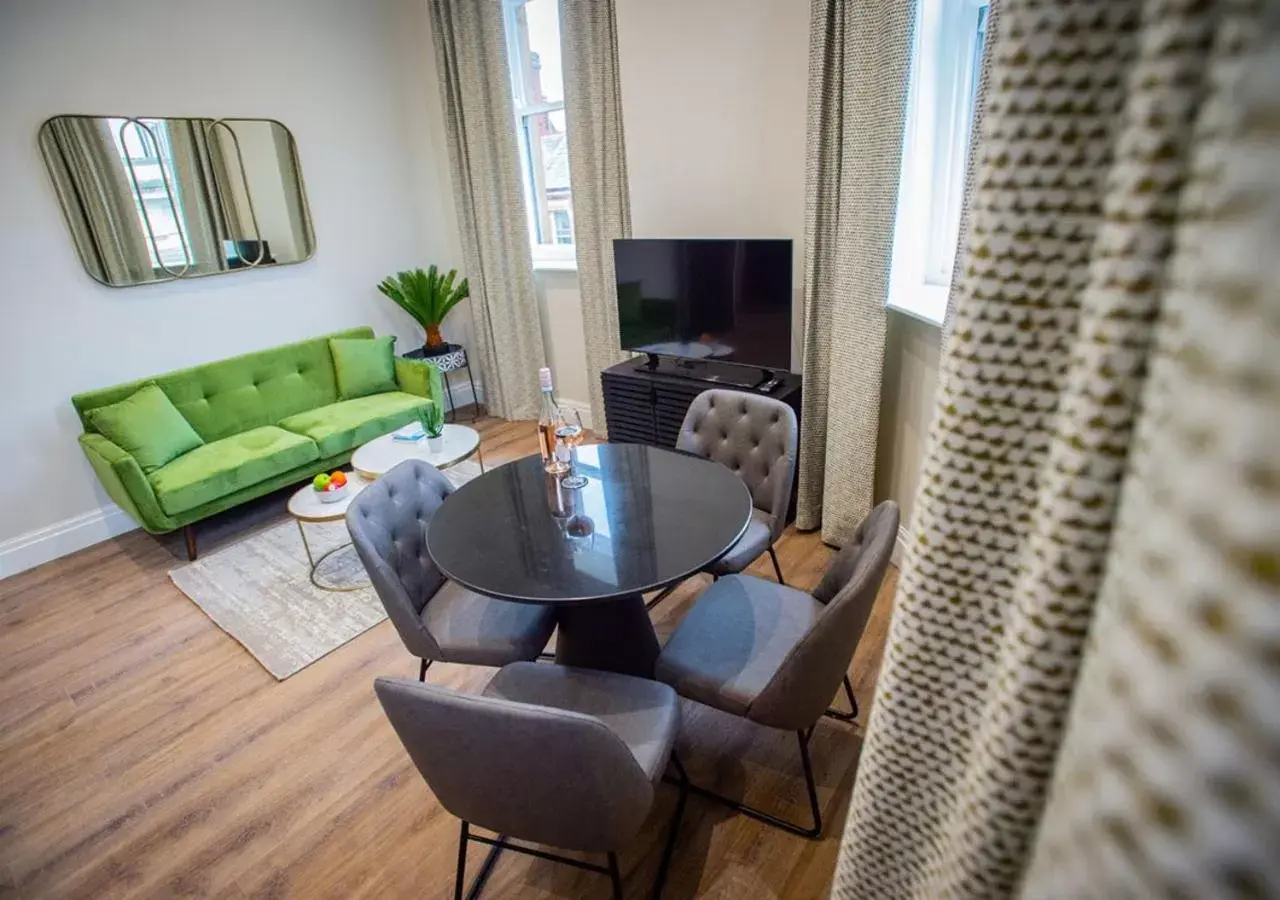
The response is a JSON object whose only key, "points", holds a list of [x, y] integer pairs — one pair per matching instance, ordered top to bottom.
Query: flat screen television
{"points": [[706, 298]]}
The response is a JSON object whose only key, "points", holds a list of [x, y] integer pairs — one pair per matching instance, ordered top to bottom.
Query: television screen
{"points": [[711, 299]]}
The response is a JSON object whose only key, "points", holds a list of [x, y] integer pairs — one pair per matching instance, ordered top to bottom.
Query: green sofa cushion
{"points": [[364, 366], [147, 426], [342, 426], [227, 465]]}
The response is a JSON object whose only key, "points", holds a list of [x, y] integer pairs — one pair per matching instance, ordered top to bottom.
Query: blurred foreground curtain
{"points": [[859, 57], [475, 89], [598, 173], [1080, 695]]}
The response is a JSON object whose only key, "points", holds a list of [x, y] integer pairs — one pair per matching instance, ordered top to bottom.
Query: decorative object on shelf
{"points": [[153, 199], [428, 297], [450, 358], [432, 419]]}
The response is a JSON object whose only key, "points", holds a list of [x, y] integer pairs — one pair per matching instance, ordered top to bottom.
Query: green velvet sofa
{"points": [[268, 419]]}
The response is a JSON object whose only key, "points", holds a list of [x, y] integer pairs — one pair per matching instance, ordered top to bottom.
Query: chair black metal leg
{"points": [[777, 569], [662, 595], [422, 670], [853, 705], [760, 815], [499, 844], [461, 876], [615, 876]]}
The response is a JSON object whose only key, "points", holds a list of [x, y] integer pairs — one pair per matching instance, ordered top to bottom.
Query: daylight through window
{"points": [[533, 49]]}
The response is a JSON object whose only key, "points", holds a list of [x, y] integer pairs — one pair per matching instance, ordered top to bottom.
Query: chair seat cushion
{"points": [[341, 426], [225, 466], [754, 541], [476, 630], [728, 647], [644, 714]]}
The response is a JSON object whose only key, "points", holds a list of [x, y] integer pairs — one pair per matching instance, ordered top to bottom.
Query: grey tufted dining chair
{"points": [[755, 436], [436, 619], [775, 655], [559, 756]]}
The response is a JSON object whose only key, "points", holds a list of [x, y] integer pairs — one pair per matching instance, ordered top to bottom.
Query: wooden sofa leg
{"points": [[189, 533]]}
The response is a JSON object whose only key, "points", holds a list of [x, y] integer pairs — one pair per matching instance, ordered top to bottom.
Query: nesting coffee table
{"points": [[380, 455], [371, 461], [306, 507]]}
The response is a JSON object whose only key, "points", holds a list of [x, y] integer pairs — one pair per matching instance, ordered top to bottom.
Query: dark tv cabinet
{"points": [[644, 407]]}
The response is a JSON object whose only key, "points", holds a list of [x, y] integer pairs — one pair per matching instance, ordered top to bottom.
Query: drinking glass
{"points": [[570, 434]]}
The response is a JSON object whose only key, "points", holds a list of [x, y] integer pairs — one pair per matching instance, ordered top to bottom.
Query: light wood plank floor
{"points": [[144, 753]]}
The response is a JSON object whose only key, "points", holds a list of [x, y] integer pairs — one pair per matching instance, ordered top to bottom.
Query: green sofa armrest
{"points": [[420, 377], [121, 475]]}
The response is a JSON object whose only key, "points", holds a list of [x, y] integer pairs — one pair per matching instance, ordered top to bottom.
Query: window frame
{"points": [[941, 102], [551, 255]]}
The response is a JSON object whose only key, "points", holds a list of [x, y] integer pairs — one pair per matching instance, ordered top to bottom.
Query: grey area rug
{"points": [[259, 591]]}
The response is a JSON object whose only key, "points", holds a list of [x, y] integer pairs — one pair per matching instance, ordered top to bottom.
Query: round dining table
{"points": [[645, 519]]}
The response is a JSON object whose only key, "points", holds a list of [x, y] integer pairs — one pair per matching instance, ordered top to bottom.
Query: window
{"points": [[533, 49], [945, 65], [153, 165], [563, 224]]}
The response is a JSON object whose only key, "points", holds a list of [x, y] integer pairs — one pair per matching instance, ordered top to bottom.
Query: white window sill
{"points": [[555, 264], [926, 302], [921, 315]]}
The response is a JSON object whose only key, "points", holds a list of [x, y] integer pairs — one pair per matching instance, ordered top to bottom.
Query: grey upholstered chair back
{"points": [[755, 437], [388, 525], [804, 684], [531, 772]]}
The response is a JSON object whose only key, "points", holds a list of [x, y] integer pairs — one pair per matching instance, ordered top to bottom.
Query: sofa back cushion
{"points": [[229, 396]]}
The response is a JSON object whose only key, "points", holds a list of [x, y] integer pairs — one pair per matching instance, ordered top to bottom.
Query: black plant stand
{"points": [[450, 358]]}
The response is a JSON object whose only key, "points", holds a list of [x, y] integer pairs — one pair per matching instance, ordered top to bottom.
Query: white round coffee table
{"points": [[380, 455], [305, 506]]}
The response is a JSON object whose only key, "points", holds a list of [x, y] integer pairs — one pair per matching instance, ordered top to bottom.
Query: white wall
{"points": [[323, 68], [713, 105]]}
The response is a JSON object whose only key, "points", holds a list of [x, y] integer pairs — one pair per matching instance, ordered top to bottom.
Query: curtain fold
{"points": [[859, 60], [475, 89], [598, 174], [1097, 213], [204, 216], [109, 238]]}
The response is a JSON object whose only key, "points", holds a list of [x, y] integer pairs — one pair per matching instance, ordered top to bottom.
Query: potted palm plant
{"points": [[428, 297]]}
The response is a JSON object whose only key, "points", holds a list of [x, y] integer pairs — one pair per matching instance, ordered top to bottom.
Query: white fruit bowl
{"points": [[332, 496]]}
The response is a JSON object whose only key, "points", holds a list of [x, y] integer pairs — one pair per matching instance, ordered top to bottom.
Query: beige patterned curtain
{"points": [[859, 57], [475, 89], [598, 172], [113, 246], [1079, 696]]}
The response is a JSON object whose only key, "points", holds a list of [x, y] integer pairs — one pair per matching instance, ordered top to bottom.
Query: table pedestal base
{"points": [[613, 635]]}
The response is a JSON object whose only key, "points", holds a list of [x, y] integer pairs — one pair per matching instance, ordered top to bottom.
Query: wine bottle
{"points": [[549, 421]]}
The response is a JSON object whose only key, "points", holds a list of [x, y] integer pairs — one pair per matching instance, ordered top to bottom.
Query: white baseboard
{"points": [[900, 546], [26, 551]]}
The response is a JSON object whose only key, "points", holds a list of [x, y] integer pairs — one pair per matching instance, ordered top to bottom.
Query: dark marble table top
{"points": [[646, 518]]}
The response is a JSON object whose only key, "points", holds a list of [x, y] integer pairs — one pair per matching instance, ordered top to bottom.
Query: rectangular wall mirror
{"points": [[151, 200]]}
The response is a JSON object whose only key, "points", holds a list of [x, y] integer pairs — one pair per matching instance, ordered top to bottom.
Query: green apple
{"points": [[321, 482]]}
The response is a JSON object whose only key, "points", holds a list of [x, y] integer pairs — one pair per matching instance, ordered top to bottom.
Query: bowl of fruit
{"points": [[332, 487]]}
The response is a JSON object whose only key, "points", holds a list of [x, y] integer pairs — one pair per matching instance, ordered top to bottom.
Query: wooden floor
{"points": [[144, 753]]}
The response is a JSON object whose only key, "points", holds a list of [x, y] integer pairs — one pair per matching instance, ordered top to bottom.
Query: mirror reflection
{"points": [[151, 200]]}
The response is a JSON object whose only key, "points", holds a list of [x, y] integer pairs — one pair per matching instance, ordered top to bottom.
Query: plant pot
{"points": [[435, 444]]}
